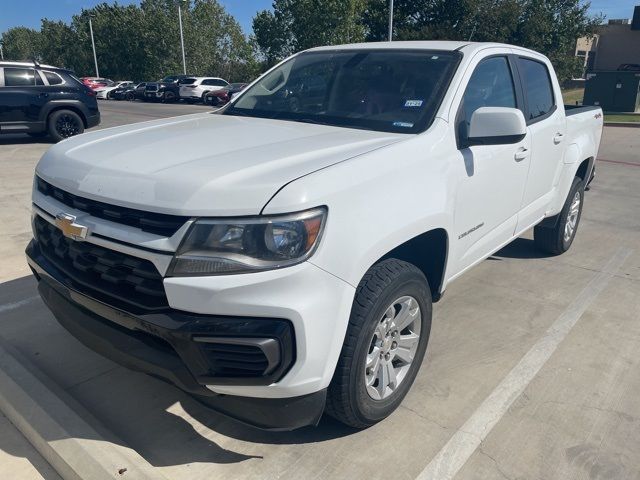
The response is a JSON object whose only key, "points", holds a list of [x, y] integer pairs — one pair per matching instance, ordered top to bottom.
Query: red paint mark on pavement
{"points": [[619, 162]]}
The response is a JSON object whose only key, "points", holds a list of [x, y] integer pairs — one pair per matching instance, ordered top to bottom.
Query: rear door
{"points": [[21, 96], [546, 121]]}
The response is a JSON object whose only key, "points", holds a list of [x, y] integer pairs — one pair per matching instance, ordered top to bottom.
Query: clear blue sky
{"points": [[29, 12]]}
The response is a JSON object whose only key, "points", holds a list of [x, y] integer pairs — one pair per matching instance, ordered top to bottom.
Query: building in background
{"points": [[616, 43]]}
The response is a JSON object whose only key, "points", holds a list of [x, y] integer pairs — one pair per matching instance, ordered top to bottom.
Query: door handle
{"points": [[43, 95], [558, 138], [521, 154]]}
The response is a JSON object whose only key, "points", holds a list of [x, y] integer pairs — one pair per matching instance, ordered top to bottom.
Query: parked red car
{"points": [[95, 82], [222, 96]]}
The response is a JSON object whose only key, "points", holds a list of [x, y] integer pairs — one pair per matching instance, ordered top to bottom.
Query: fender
{"points": [[65, 103]]}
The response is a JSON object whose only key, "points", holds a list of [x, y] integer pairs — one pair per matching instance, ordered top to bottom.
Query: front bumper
{"points": [[166, 345]]}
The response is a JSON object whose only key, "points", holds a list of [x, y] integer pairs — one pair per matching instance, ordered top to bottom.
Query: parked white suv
{"points": [[195, 88], [291, 264]]}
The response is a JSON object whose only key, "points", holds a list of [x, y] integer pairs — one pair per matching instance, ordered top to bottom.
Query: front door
{"points": [[490, 189]]}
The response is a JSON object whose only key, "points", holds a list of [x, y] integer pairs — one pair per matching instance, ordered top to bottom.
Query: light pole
{"points": [[390, 20], [93, 45], [184, 62]]}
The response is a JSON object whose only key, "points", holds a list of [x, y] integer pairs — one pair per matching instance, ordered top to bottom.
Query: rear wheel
{"points": [[129, 97], [64, 124], [558, 239], [384, 346]]}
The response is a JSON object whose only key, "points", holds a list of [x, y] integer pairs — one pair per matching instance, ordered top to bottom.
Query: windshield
{"points": [[386, 90]]}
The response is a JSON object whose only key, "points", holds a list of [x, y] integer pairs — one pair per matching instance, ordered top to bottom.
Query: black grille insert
{"points": [[157, 223], [123, 281], [229, 360]]}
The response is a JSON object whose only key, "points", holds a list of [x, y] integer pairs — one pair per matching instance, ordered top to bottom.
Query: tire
{"points": [[108, 96], [129, 97], [169, 97], [203, 98], [64, 124], [558, 239], [356, 394]]}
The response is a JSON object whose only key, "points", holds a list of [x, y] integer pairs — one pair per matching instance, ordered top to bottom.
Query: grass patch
{"points": [[570, 97], [622, 118]]}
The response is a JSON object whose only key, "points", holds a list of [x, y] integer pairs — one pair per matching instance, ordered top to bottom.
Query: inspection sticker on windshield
{"points": [[413, 103], [403, 124]]}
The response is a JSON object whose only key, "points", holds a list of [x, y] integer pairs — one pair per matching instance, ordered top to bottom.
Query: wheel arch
{"points": [[74, 108], [585, 168], [429, 252]]}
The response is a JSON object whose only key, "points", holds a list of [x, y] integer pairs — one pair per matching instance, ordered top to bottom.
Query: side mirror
{"points": [[496, 126]]}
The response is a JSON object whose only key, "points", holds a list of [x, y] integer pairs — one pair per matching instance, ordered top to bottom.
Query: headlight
{"points": [[250, 244]]}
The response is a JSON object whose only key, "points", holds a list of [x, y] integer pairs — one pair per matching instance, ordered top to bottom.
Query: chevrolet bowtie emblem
{"points": [[69, 228]]}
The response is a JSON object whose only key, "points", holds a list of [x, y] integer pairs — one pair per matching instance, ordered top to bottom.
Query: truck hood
{"points": [[200, 165]]}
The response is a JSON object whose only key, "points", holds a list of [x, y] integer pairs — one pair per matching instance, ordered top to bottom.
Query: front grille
{"points": [[157, 223], [123, 281], [229, 360]]}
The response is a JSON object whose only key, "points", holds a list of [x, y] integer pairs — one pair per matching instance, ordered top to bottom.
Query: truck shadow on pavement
{"points": [[24, 139], [523, 248], [163, 424]]}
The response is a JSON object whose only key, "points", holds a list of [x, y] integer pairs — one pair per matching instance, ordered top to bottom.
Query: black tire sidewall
{"points": [[53, 118], [366, 408]]}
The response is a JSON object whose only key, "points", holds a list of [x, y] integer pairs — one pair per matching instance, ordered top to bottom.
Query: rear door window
{"points": [[20, 77], [215, 82], [537, 86]]}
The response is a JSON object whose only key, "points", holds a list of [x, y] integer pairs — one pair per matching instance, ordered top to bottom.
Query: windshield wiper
{"points": [[307, 120]]}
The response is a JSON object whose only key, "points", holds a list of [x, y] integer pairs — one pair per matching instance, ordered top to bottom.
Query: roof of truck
{"points": [[466, 47]]}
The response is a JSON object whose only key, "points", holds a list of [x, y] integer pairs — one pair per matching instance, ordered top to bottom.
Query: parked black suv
{"points": [[166, 90], [41, 99]]}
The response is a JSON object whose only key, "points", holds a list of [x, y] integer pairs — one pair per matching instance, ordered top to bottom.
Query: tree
{"points": [[296, 25], [548, 26], [142, 42], [21, 43]]}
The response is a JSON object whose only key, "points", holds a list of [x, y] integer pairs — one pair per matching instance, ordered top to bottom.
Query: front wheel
{"points": [[168, 97], [64, 124], [558, 239], [384, 345]]}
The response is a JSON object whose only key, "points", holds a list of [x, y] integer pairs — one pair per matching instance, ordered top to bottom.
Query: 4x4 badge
{"points": [[69, 228]]}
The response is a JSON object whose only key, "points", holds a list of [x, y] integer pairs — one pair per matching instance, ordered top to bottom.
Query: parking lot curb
{"points": [[60, 429]]}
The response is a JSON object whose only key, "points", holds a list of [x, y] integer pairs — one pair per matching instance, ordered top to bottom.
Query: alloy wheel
{"points": [[67, 126], [572, 217], [392, 347]]}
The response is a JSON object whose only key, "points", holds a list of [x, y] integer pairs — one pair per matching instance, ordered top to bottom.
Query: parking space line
{"points": [[20, 303], [455, 453]]}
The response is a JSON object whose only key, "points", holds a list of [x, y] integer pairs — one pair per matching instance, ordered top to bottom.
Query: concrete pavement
{"points": [[576, 417]]}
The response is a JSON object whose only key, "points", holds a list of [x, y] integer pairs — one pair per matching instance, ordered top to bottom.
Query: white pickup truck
{"points": [[279, 257]]}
